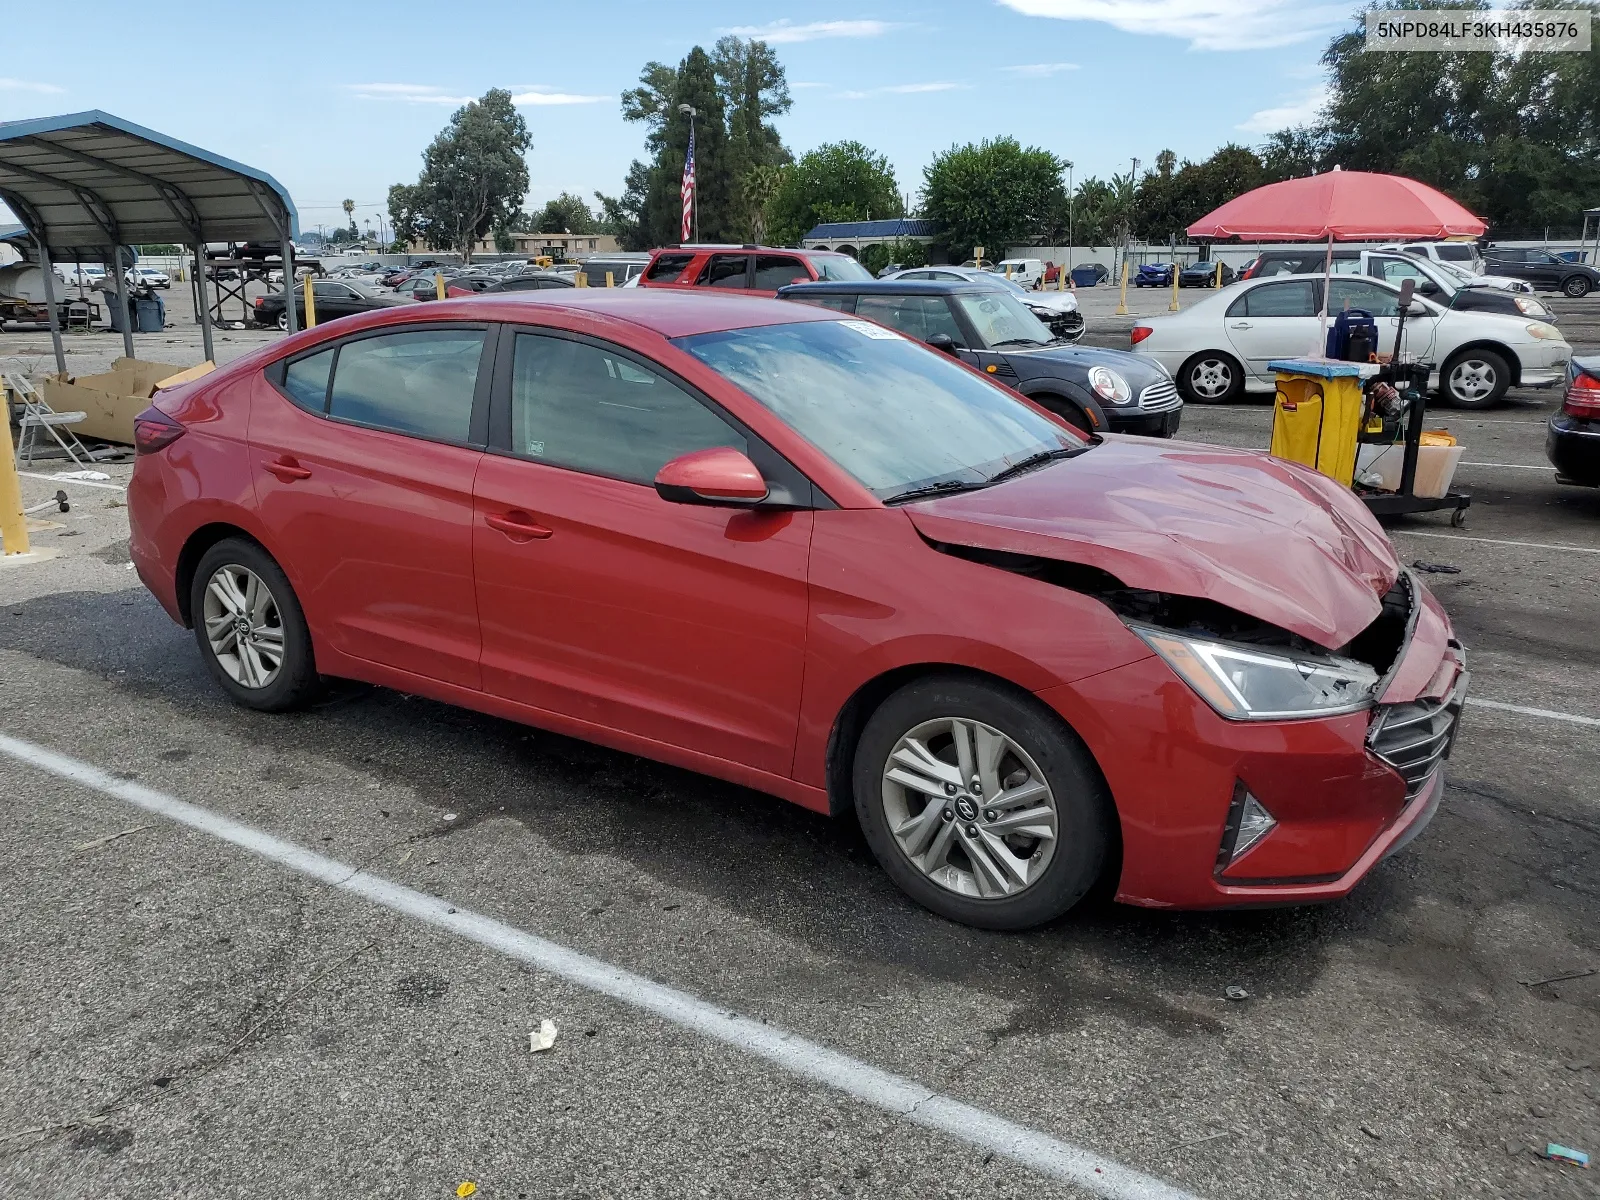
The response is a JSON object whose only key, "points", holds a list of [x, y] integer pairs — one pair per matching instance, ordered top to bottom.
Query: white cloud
{"points": [[1204, 24], [780, 33], [1039, 70], [24, 85], [911, 89], [426, 93], [543, 95], [1301, 110]]}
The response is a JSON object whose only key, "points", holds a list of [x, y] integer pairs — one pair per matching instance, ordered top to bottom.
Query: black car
{"points": [[1542, 269], [1204, 274], [531, 281], [333, 298], [988, 327], [1572, 439]]}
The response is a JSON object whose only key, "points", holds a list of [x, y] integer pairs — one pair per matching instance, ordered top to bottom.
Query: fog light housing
{"points": [[1248, 823]]}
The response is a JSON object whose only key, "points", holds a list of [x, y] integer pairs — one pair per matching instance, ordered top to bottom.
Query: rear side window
{"points": [[1454, 254], [667, 267], [724, 271], [774, 271], [844, 304], [306, 381], [419, 383], [581, 407]]}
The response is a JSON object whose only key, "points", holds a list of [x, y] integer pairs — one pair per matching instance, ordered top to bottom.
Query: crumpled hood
{"points": [[1261, 535]]}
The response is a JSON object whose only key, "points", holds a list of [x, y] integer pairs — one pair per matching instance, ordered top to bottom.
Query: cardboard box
{"points": [[111, 400]]}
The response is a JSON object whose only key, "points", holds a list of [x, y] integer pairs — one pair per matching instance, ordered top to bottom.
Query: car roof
{"points": [[895, 287]]}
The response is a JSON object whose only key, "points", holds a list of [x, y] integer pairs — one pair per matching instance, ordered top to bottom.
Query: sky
{"points": [[343, 105]]}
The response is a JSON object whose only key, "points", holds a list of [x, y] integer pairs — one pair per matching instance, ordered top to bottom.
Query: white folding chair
{"points": [[38, 417]]}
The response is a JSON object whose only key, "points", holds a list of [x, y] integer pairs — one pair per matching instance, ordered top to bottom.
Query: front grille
{"points": [[1159, 397], [1414, 738]]}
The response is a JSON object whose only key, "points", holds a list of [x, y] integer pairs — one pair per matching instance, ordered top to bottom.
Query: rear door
{"points": [[1276, 320], [363, 457], [602, 601]]}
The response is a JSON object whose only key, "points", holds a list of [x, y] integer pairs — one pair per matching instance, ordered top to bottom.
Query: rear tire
{"points": [[1211, 377], [1474, 379], [250, 628], [1011, 853]]}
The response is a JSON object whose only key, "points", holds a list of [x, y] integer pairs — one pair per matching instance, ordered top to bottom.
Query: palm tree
{"points": [[759, 185], [349, 207]]}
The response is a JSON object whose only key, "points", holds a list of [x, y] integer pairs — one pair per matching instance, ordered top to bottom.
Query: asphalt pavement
{"points": [[199, 1012]]}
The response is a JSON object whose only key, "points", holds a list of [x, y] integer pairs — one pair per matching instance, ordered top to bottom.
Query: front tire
{"points": [[1577, 287], [1211, 377], [1475, 379], [250, 628], [980, 803]]}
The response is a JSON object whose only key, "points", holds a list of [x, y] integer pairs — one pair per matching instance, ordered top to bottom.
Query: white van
{"points": [[1025, 271]]}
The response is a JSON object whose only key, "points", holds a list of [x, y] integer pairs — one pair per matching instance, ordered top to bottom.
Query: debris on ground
{"points": [[85, 476], [1431, 568], [96, 843], [1560, 978], [1234, 992], [542, 1038], [1372, 1133], [1199, 1141], [1566, 1154], [466, 1188]]}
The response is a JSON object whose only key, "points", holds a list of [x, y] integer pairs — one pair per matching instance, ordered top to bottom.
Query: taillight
{"points": [[260, 300], [1140, 332], [1583, 397], [153, 430]]}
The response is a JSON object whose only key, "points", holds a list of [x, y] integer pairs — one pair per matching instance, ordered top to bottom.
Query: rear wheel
{"points": [[1577, 287], [283, 320], [1211, 377], [1475, 379], [250, 629], [980, 804]]}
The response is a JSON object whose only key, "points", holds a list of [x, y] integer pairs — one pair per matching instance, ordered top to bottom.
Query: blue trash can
{"points": [[150, 316]]}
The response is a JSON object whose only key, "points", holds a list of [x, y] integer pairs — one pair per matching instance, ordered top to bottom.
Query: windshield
{"points": [[840, 268], [1000, 319], [895, 415]]}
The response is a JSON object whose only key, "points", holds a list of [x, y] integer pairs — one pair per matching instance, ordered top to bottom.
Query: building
{"points": [[852, 236], [573, 247]]}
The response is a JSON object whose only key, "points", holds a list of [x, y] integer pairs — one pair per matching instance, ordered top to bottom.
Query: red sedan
{"points": [[806, 554]]}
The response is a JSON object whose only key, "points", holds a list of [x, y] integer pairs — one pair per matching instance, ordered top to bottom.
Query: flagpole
{"points": [[694, 197]]}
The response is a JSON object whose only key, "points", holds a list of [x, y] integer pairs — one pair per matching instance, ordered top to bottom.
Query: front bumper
{"points": [[1572, 444], [1344, 792]]}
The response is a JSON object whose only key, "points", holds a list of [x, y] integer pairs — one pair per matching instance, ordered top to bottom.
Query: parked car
{"points": [[1463, 256], [979, 264], [622, 268], [755, 269], [890, 269], [1543, 270], [1028, 272], [1089, 274], [1204, 274], [1153, 275], [1432, 275], [150, 277], [531, 282], [424, 285], [334, 299], [1057, 309], [986, 325], [1219, 347], [1572, 437], [794, 550]]}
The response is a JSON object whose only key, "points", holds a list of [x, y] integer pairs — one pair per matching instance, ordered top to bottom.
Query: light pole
{"points": [[695, 210], [1069, 222], [383, 238]]}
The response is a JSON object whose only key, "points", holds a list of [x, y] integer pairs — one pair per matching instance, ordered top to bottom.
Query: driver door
{"points": [[1384, 305]]}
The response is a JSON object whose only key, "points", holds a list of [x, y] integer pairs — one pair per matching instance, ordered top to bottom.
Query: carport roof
{"points": [[89, 180]]}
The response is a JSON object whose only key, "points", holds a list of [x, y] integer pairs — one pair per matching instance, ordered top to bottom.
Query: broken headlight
{"points": [[1244, 683]]}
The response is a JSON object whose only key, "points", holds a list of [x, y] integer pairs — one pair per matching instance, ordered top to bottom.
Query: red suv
{"points": [[760, 270], [805, 553]]}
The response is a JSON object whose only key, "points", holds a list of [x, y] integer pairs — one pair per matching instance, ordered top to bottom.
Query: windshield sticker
{"points": [[872, 331]]}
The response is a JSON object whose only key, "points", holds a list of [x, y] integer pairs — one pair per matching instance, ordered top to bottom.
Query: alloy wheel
{"points": [[283, 320], [1211, 378], [1472, 381], [243, 626], [970, 808]]}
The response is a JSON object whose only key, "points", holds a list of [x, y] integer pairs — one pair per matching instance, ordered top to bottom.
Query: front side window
{"points": [[1455, 253], [840, 268], [724, 271], [774, 271], [1356, 293], [1297, 298], [919, 317], [1000, 320], [306, 381], [420, 382], [578, 406], [893, 414]]}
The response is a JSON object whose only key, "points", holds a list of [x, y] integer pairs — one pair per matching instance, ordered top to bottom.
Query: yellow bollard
{"points": [[1219, 273], [1061, 279], [580, 280], [611, 280], [438, 284], [311, 304], [1122, 304], [1173, 307], [13, 523]]}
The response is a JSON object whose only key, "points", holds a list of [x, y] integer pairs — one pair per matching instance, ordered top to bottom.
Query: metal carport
{"points": [[88, 183]]}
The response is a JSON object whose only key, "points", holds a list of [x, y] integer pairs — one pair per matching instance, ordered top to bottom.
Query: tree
{"points": [[694, 83], [754, 89], [1293, 153], [474, 177], [840, 181], [757, 189], [995, 194], [349, 207], [565, 214], [623, 216]]}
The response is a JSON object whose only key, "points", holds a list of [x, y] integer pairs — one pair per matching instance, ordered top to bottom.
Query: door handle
{"points": [[1240, 325], [287, 470], [516, 524]]}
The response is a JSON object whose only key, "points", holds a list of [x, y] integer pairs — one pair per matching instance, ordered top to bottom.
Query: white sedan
{"points": [[1219, 348]]}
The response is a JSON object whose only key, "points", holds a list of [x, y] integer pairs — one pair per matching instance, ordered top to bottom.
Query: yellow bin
{"points": [[1316, 417]]}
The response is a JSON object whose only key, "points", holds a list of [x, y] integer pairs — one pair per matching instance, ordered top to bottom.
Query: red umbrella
{"points": [[1340, 206]]}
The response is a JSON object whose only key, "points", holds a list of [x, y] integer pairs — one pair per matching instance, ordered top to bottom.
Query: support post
{"points": [[286, 248], [122, 301], [50, 302], [1122, 302], [311, 303], [202, 304], [13, 521]]}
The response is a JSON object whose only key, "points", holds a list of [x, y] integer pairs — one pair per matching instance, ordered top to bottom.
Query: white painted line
{"points": [[1508, 466], [110, 487], [1456, 537], [1548, 714], [790, 1052]]}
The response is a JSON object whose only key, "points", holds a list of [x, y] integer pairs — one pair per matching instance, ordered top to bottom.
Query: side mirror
{"points": [[1428, 288], [1416, 310], [943, 341], [718, 476]]}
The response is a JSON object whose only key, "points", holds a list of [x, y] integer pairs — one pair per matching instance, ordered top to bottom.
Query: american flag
{"points": [[686, 191]]}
